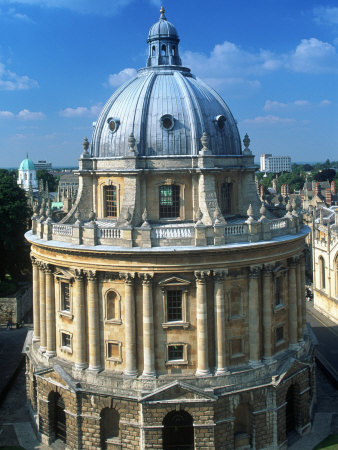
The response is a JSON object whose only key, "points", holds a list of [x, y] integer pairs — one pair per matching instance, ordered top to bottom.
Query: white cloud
{"points": [[11, 13], [326, 15], [313, 56], [116, 79], [10, 81], [325, 102], [273, 105], [81, 111], [25, 114], [6, 115], [269, 120]]}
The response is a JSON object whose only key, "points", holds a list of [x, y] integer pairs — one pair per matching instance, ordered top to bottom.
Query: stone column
{"points": [[300, 289], [303, 293], [42, 301], [36, 306], [219, 306], [50, 313], [267, 313], [254, 315], [79, 322], [93, 323], [130, 325], [202, 325], [148, 327], [293, 335]]}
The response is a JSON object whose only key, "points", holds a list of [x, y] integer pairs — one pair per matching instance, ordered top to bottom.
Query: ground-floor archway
{"points": [[291, 408], [57, 416], [178, 431]]}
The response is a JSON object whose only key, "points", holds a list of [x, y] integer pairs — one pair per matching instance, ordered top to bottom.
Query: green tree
{"points": [[326, 174], [48, 178], [14, 221]]}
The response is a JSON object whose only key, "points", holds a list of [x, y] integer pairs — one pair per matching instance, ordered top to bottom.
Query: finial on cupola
{"points": [[162, 11]]}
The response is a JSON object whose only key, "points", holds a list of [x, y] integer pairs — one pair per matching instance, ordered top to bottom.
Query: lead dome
{"points": [[166, 108]]}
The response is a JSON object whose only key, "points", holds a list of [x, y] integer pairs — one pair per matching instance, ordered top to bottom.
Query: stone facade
{"points": [[17, 306]]}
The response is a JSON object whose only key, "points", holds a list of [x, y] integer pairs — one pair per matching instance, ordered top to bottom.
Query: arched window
{"points": [[163, 50], [153, 51], [173, 51], [25, 176], [226, 194], [110, 201], [322, 272], [278, 290], [236, 309], [113, 310], [57, 416], [109, 425], [242, 426], [178, 431]]}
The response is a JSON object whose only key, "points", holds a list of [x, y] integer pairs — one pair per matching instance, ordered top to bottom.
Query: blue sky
{"points": [[275, 63]]}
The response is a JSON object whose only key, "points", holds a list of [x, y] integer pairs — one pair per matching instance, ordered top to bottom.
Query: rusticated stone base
{"points": [[223, 417]]}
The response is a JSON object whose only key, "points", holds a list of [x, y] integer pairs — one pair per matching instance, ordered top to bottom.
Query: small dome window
{"points": [[220, 121], [167, 122], [113, 124]]}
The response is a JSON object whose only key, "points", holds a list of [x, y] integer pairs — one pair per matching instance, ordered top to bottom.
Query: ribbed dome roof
{"points": [[162, 28], [166, 108], [27, 164]]}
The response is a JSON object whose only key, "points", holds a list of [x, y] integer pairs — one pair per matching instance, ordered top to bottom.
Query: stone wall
{"points": [[17, 306]]}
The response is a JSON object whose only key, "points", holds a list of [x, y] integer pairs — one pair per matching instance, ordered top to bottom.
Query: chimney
{"points": [[333, 187], [287, 189], [317, 189], [261, 190], [328, 196]]}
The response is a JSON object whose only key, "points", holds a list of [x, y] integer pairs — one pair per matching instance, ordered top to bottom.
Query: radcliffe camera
{"points": [[169, 274]]}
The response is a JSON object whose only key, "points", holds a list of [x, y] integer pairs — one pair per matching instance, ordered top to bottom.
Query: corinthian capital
{"points": [[147, 278]]}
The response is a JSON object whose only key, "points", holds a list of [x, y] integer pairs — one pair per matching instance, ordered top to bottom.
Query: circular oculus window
{"points": [[220, 121], [167, 122], [113, 124]]}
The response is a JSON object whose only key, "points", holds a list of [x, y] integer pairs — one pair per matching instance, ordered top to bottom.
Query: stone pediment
{"points": [[174, 281], [294, 367], [178, 391]]}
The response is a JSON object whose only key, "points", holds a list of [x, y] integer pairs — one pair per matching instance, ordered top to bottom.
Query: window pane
{"points": [[110, 201], [169, 201], [278, 285], [65, 297], [174, 306], [279, 334], [65, 338], [113, 350], [175, 352]]}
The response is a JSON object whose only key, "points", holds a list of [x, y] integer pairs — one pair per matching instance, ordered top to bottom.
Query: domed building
{"points": [[27, 175], [169, 303]]}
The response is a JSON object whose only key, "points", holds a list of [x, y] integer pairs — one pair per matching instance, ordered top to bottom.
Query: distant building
{"points": [[275, 164], [43, 165], [27, 175], [67, 190], [318, 194]]}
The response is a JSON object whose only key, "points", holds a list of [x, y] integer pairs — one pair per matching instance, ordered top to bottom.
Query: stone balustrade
{"points": [[160, 235]]}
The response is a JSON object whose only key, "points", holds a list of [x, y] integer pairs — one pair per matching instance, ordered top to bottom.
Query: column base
{"points": [[35, 338], [301, 341], [294, 346], [42, 349], [50, 354], [268, 360], [255, 364], [80, 366], [94, 368], [222, 371], [130, 373], [203, 373], [149, 375]]}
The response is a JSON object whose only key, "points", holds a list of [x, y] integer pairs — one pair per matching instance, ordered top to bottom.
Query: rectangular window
{"points": [[226, 193], [111, 201], [169, 202], [278, 285], [65, 297], [174, 306], [279, 334], [66, 340], [113, 351], [175, 352]]}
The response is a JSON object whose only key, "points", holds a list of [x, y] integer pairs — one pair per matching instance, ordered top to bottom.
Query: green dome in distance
{"points": [[27, 164]]}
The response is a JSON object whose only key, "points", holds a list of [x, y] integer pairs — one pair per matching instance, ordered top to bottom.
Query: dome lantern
{"points": [[163, 44]]}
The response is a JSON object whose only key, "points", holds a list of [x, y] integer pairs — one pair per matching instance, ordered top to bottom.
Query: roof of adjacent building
{"points": [[27, 164]]}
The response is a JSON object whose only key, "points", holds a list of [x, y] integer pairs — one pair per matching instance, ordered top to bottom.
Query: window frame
{"points": [[102, 199], [176, 201], [62, 279], [175, 284], [281, 341], [66, 348], [240, 354], [113, 358], [177, 362]]}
